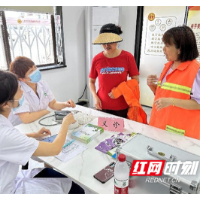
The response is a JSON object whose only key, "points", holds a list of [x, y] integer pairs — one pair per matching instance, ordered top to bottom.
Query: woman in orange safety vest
{"points": [[176, 106]]}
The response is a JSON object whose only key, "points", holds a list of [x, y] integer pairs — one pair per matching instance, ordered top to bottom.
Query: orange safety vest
{"points": [[178, 85], [131, 93]]}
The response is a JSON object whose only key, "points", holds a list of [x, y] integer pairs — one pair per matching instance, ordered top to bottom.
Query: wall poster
{"points": [[194, 23]]}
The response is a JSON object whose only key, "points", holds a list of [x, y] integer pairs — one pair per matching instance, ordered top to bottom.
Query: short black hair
{"points": [[111, 28], [184, 39], [8, 86]]}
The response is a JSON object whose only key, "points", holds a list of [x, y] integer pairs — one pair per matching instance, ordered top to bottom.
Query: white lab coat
{"points": [[32, 103], [16, 149]]}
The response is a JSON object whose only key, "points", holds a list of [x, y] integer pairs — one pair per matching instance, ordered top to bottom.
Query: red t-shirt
{"points": [[111, 72]]}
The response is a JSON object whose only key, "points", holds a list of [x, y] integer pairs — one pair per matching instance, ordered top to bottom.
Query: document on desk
{"points": [[71, 149]]}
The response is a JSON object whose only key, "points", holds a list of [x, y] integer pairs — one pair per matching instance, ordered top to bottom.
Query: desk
{"points": [[82, 168]]}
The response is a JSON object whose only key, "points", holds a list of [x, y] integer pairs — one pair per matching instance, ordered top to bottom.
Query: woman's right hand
{"points": [[152, 80], [98, 104], [46, 112], [69, 119]]}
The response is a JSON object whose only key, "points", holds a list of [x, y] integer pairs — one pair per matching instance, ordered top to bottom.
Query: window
{"points": [[37, 36]]}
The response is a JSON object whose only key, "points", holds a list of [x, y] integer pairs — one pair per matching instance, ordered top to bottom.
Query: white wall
{"points": [[128, 25], [70, 82]]}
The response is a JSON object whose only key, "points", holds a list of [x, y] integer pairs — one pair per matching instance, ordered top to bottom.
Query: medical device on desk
{"points": [[59, 115], [81, 118]]}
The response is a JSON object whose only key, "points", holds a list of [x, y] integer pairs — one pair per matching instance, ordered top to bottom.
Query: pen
{"points": [[67, 144]]}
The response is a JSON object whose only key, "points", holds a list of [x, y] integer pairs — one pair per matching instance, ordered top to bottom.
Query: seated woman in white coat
{"points": [[38, 96], [16, 149]]}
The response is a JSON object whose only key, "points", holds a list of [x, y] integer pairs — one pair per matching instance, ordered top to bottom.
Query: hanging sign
{"points": [[28, 21]]}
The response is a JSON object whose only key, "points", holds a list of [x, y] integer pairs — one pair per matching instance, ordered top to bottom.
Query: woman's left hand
{"points": [[111, 95], [163, 103], [43, 132]]}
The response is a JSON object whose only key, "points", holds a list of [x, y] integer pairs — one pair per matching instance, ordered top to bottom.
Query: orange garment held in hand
{"points": [[131, 93]]}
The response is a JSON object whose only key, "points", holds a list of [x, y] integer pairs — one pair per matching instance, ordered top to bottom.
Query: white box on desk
{"points": [[141, 147]]}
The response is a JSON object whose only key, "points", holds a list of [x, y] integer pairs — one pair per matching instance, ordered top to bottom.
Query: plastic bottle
{"points": [[121, 175]]}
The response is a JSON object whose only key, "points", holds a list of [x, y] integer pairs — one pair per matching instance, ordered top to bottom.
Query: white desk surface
{"points": [[82, 168]]}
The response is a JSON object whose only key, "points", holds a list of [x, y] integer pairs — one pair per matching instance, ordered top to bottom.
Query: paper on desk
{"points": [[33, 127], [55, 129], [71, 151]]}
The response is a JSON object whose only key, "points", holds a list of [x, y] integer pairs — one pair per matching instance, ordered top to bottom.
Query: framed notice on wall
{"points": [[156, 21], [193, 22]]}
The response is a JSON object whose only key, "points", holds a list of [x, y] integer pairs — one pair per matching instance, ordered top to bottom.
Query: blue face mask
{"points": [[35, 76], [21, 100]]}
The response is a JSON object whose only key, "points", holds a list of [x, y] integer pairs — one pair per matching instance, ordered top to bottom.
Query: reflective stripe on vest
{"points": [[159, 83], [176, 88], [175, 130]]}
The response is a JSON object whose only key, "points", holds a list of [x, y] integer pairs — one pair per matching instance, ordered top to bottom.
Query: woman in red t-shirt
{"points": [[112, 66]]}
